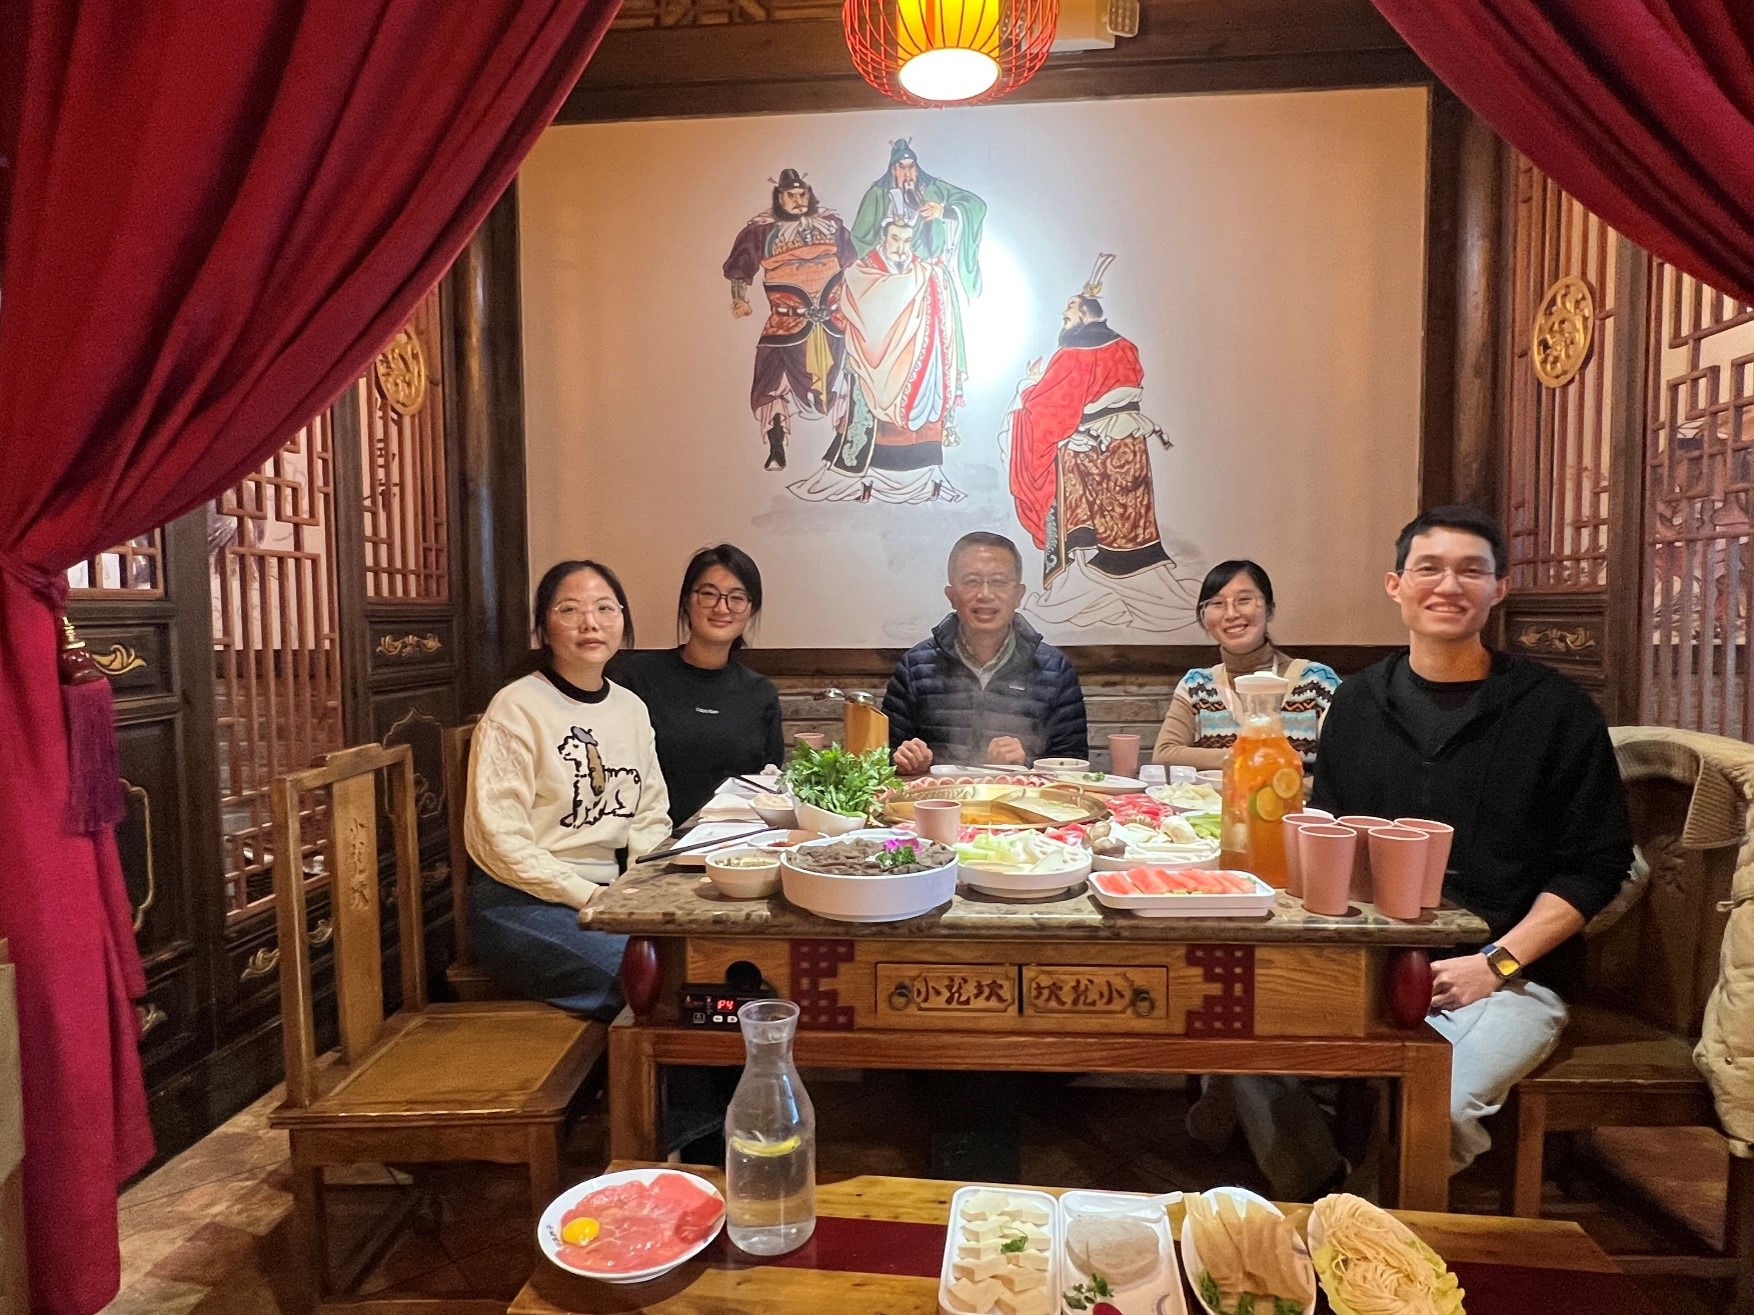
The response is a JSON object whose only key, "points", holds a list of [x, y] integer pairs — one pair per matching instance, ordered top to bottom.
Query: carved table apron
{"points": [[1062, 985]]}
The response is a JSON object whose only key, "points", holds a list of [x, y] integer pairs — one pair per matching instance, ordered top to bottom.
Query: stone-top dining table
{"points": [[1061, 985]]}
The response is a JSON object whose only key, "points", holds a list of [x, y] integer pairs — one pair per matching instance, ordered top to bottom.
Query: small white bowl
{"points": [[1051, 765], [775, 809], [812, 818], [741, 882], [548, 1229]]}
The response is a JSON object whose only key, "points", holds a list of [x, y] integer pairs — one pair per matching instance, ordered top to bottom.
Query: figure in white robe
{"points": [[898, 386]]}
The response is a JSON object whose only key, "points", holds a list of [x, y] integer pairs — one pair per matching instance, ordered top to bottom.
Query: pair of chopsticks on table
{"points": [[714, 843]]}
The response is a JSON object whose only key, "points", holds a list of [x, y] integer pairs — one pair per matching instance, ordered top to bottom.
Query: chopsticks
{"points": [[760, 786], [714, 843]]}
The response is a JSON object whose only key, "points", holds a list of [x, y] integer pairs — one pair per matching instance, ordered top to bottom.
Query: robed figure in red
{"points": [[1080, 468]]}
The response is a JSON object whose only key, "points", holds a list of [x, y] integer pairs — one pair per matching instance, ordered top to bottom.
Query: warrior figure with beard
{"points": [[799, 249], [1080, 461]]}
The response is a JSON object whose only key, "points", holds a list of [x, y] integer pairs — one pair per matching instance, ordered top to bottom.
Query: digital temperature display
{"points": [[712, 1005]]}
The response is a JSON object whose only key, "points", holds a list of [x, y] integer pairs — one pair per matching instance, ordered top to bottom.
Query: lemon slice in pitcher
{"points": [[1287, 783], [1268, 806], [765, 1149]]}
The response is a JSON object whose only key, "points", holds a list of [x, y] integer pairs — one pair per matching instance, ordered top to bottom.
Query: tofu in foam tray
{"points": [[1000, 1253]]}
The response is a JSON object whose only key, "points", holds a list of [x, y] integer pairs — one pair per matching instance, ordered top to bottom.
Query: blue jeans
{"points": [[538, 949]]}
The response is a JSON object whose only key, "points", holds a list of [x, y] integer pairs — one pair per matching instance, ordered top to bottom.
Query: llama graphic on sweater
{"points": [[597, 791]]}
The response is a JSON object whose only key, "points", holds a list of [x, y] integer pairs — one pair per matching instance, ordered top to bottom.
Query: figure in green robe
{"points": [[947, 221]]}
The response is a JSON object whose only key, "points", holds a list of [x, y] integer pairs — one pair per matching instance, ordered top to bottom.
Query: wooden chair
{"points": [[463, 975], [1626, 1058], [478, 1080]]}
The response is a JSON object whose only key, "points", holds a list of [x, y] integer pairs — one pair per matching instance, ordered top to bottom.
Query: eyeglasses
{"points": [[1430, 574], [998, 584], [709, 598], [1241, 604], [572, 616]]}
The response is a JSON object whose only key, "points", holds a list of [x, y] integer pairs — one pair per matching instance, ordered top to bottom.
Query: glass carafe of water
{"points": [[770, 1138]]}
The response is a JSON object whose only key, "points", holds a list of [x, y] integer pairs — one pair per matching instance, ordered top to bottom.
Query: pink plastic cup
{"points": [[815, 739], [1123, 755], [938, 820], [1325, 856], [1436, 856], [1293, 857], [1361, 857], [1397, 870]]}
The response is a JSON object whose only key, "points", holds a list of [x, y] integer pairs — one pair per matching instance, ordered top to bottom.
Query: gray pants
{"points": [[1494, 1043]]}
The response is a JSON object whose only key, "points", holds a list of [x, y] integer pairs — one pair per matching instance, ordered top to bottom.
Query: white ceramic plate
{"points": [[1109, 784], [1023, 885], [879, 897], [1255, 905], [548, 1229], [1191, 1255]]}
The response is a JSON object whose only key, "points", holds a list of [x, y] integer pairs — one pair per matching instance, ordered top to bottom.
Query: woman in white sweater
{"points": [[564, 790]]}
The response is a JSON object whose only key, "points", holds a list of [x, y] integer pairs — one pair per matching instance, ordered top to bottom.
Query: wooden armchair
{"points": [[463, 975], [1628, 1056], [481, 1080]]}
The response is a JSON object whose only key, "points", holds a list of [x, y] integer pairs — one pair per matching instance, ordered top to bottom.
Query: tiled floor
{"points": [[211, 1231]]}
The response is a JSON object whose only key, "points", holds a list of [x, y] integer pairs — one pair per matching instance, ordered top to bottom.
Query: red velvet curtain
{"points": [[1641, 109], [214, 215]]}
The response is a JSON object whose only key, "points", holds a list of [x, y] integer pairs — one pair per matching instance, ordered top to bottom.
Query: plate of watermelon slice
{"points": [[1159, 892]]}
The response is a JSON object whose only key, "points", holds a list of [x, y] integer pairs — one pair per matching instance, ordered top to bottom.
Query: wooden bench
{"points": [[1626, 1058]]}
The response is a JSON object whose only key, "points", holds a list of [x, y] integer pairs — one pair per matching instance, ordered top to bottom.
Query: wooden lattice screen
{"points": [[402, 451], [1556, 482], [1699, 500], [133, 570], [276, 649]]}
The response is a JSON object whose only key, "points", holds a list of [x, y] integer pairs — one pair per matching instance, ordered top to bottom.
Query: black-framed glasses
{"points": [[709, 598]]}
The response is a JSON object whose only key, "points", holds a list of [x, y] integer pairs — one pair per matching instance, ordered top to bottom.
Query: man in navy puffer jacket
{"points": [[985, 688]]}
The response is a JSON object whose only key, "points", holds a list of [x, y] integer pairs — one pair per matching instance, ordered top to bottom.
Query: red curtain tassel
{"points": [[94, 775]]}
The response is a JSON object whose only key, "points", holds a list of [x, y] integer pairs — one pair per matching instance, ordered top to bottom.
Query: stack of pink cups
{"points": [[1398, 866]]}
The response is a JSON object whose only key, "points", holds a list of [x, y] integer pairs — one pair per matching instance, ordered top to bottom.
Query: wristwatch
{"points": [[1503, 962]]}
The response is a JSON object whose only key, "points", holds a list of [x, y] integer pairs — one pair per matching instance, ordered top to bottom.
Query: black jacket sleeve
{"points": [[898, 705], [1068, 733], [775, 734], [1337, 753], [1595, 847]]}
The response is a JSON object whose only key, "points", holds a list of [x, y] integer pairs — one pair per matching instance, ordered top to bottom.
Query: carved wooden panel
{"points": [[1563, 331], [402, 455], [1699, 508], [132, 570], [276, 650], [134, 657], [148, 839], [946, 994]]}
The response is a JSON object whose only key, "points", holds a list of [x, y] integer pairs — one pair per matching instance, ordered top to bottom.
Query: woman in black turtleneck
{"points": [[1235, 605], [713, 717]]}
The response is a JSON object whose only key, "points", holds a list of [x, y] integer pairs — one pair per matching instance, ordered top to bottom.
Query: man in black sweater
{"points": [[1517, 759]]}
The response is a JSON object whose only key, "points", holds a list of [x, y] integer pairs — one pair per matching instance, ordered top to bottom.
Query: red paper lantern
{"points": [[949, 52]]}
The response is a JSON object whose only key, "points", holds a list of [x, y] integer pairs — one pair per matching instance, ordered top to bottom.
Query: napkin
{"points": [[727, 808]]}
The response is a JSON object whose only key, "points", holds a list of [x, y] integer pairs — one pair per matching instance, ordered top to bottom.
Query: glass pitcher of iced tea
{"points": [[1263, 781]]}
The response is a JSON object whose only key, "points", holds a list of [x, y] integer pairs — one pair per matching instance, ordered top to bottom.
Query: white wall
{"points": [[1270, 263]]}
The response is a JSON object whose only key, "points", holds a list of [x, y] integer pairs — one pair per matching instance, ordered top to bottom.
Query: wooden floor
{"points": [[208, 1233]]}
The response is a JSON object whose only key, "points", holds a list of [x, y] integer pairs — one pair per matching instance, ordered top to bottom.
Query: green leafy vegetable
{"points": [[838, 781], [1013, 1245], [1210, 1292], [1084, 1295], [1245, 1303], [1287, 1306]]}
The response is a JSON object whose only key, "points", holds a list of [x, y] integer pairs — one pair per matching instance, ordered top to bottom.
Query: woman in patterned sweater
{"points": [[1235, 605]]}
